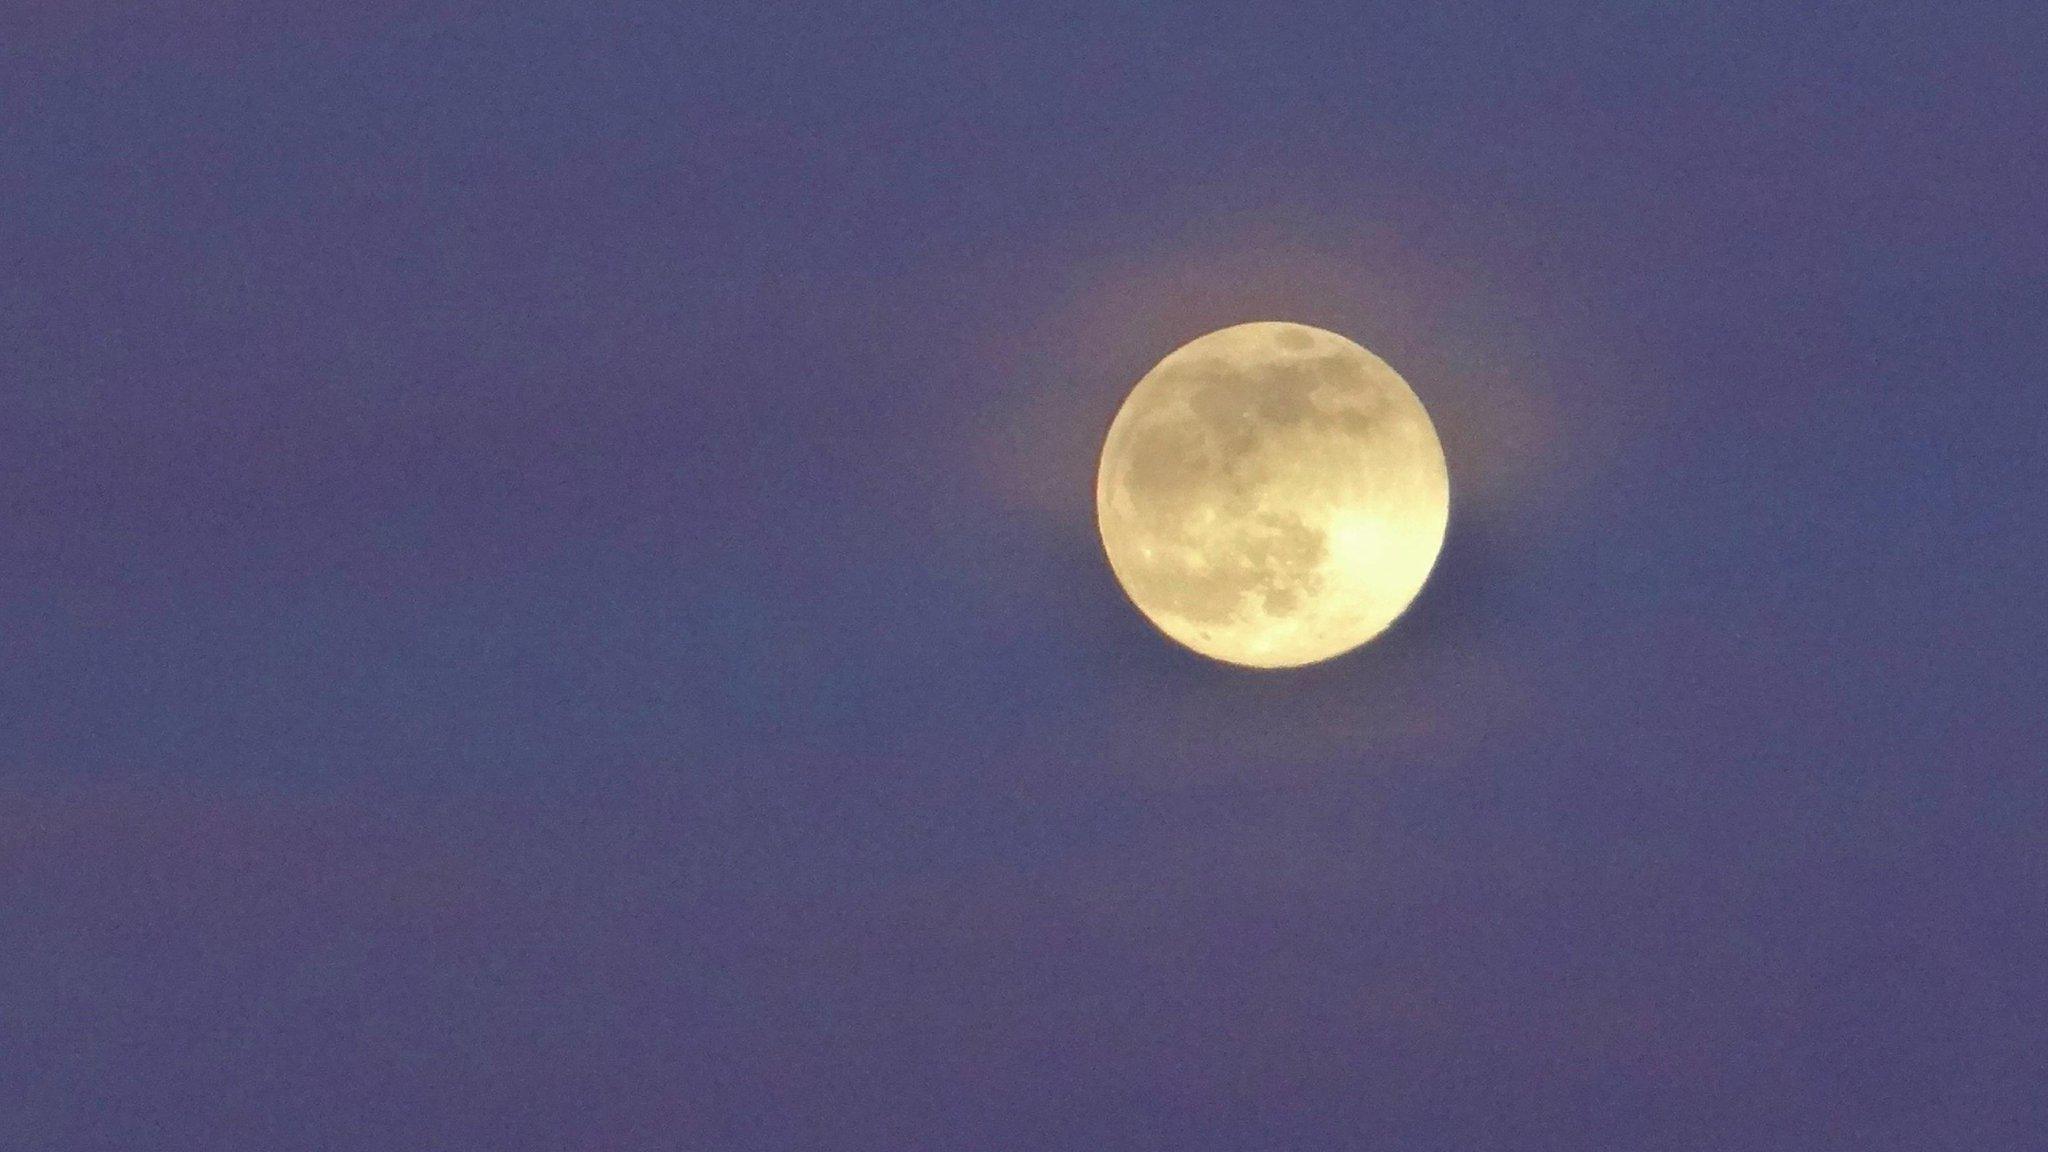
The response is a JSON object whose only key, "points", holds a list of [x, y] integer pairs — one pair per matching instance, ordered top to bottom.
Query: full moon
{"points": [[1272, 495]]}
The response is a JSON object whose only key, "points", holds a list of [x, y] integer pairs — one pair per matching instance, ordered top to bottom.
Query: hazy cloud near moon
{"points": [[1487, 362], [1499, 366]]}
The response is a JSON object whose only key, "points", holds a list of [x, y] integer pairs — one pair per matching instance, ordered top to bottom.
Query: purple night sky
{"points": [[549, 597]]}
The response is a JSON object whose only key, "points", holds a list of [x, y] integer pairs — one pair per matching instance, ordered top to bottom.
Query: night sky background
{"points": [[549, 596]]}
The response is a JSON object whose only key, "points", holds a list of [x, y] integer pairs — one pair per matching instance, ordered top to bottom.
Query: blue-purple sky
{"points": [[549, 594]]}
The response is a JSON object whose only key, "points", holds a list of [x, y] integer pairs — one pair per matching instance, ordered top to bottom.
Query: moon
{"points": [[1272, 495]]}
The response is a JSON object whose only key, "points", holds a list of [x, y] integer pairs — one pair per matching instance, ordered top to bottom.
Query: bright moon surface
{"points": [[1272, 494]]}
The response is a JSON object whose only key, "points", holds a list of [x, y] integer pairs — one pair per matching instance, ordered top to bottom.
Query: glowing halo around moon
{"points": [[1272, 495]]}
